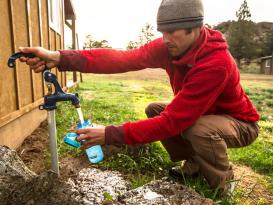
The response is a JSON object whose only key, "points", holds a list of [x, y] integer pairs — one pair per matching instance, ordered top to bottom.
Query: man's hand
{"points": [[44, 57], [92, 136]]}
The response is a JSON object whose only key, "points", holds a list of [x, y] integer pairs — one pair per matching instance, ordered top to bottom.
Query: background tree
{"points": [[241, 35], [145, 36], [90, 42], [268, 44], [131, 45]]}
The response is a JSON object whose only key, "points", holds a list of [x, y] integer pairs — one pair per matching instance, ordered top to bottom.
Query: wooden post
{"points": [[77, 38], [74, 44]]}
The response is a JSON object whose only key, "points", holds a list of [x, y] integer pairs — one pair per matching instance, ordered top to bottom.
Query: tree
{"points": [[243, 14], [241, 35], [145, 36], [90, 42], [268, 44], [131, 45]]}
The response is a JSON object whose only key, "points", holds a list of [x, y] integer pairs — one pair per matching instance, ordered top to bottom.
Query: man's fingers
{"points": [[33, 50], [23, 59], [33, 61], [37, 66], [39, 69], [82, 131], [83, 137], [89, 143]]}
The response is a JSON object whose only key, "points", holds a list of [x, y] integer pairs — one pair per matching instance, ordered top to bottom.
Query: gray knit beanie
{"points": [[178, 14]]}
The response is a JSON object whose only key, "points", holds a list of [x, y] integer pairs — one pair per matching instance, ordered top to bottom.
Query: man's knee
{"points": [[154, 109], [150, 110], [203, 134]]}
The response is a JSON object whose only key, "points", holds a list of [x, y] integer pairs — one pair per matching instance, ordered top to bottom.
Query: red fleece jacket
{"points": [[205, 81]]}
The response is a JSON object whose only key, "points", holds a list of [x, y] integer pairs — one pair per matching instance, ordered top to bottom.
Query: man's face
{"points": [[178, 41]]}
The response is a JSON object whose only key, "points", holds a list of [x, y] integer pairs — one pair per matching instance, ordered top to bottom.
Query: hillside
{"points": [[261, 29]]}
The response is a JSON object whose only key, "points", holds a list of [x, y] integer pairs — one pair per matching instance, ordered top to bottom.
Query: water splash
{"points": [[79, 111]]}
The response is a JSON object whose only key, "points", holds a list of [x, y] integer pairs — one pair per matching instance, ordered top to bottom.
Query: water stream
{"points": [[79, 111]]}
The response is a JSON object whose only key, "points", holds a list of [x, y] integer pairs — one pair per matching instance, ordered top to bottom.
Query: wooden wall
{"points": [[23, 23]]}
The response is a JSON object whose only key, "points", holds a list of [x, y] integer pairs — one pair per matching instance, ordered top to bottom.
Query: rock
{"points": [[12, 165], [19, 185], [95, 185], [42, 190]]}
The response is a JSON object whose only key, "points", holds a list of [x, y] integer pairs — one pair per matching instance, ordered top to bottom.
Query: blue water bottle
{"points": [[95, 153]]}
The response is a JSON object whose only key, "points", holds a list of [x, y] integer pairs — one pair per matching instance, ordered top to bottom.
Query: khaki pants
{"points": [[206, 142]]}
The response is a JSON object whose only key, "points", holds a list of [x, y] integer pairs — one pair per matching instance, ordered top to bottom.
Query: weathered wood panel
{"points": [[45, 27], [21, 36], [35, 41], [8, 99]]}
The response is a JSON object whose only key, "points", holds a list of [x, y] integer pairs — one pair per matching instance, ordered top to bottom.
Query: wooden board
{"points": [[35, 33], [21, 36], [7, 81]]}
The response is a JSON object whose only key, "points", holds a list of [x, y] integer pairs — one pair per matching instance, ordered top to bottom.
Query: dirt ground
{"points": [[35, 149], [34, 156]]}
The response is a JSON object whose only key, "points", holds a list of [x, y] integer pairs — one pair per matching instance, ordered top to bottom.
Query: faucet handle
{"points": [[15, 56]]}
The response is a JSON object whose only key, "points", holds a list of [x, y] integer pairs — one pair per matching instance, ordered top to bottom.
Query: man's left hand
{"points": [[91, 136]]}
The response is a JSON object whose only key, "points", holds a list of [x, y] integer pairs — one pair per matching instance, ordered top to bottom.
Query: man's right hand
{"points": [[43, 58]]}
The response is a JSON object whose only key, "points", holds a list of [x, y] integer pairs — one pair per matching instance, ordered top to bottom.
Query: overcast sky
{"points": [[119, 21]]}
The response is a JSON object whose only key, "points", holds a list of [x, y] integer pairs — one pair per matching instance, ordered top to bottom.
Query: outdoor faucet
{"points": [[50, 100]]}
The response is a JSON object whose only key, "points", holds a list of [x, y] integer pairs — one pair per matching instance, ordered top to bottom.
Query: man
{"points": [[209, 112]]}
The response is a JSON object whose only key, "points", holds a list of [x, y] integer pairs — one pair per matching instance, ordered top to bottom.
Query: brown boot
{"points": [[189, 168], [223, 180]]}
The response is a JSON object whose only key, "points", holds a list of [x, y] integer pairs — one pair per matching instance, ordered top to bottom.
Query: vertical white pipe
{"points": [[53, 141]]}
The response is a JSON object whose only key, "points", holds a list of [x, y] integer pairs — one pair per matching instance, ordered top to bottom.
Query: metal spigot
{"points": [[59, 95]]}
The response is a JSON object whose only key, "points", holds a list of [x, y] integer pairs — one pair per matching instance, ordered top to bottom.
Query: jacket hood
{"points": [[209, 41]]}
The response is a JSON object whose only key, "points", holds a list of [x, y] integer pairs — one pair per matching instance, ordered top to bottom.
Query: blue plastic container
{"points": [[70, 139], [95, 153]]}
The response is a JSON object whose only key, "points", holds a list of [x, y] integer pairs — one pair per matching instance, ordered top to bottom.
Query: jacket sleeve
{"points": [[151, 55], [198, 94]]}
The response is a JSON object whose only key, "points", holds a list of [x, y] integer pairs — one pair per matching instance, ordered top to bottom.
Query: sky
{"points": [[119, 21]]}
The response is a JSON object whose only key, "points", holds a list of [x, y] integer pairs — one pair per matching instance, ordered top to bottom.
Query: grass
{"points": [[114, 99], [259, 155]]}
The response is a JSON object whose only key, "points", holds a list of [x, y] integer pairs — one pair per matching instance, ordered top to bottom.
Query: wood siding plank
{"points": [[29, 30], [21, 37], [16, 73], [8, 100]]}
